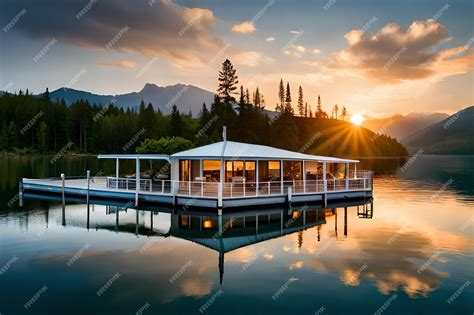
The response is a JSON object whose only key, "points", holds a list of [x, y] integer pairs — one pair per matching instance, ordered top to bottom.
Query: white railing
{"points": [[360, 180]]}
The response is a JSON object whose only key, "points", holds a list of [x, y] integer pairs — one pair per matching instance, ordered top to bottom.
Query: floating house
{"points": [[225, 174]]}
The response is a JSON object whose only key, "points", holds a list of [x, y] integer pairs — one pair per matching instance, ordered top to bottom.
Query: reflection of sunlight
{"points": [[296, 265]]}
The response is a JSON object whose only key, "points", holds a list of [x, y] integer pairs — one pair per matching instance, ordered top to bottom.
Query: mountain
{"points": [[186, 97], [399, 126], [454, 135]]}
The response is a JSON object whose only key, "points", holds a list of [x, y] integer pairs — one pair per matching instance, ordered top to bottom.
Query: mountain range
{"points": [[186, 97], [400, 126], [453, 135]]}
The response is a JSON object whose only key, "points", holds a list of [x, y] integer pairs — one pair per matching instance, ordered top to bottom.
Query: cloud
{"points": [[244, 27], [294, 32], [183, 36], [270, 39], [295, 51], [316, 51], [394, 54], [247, 58], [128, 64]]}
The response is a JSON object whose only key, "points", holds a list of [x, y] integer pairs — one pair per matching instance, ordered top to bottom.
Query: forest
{"points": [[32, 124]]}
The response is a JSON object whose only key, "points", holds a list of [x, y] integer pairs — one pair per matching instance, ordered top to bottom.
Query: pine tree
{"points": [[227, 82], [242, 96], [247, 96], [281, 96], [256, 98], [300, 101], [288, 107], [319, 109], [306, 110], [336, 111], [310, 113], [344, 113], [176, 123], [42, 137]]}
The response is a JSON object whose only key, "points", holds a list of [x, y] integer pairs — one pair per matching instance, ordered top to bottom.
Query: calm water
{"points": [[412, 254]]}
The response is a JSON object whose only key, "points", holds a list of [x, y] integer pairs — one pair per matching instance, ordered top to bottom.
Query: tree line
{"points": [[32, 124]]}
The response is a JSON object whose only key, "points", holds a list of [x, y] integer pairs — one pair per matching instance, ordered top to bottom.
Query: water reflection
{"points": [[233, 230]]}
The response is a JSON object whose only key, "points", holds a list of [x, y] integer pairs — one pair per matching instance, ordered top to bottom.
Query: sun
{"points": [[357, 119]]}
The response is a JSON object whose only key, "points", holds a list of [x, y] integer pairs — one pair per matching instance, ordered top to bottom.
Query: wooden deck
{"points": [[205, 194]]}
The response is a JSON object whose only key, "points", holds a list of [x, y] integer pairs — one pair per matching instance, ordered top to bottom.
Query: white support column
{"points": [[117, 172], [281, 176], [347, 176], [304, 177], [257, 179], [137, 180], [221, 181], [325, 184]]}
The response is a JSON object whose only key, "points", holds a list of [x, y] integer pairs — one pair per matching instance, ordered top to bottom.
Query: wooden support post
{"points": [[117, 173], [219, 195]]}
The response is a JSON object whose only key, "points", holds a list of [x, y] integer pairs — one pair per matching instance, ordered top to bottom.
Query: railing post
{"points": [[347, 176], [304, 177], [63, 178], [88, 184], [325, 184], [244, 186], [163, 187], [202, 188], [268, 188], [219, 194]]}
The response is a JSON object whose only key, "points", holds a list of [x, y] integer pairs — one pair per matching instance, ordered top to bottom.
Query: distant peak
{"points": [[149, 86]]}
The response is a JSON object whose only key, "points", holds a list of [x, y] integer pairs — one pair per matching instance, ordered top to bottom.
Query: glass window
{"points": [[211, 169], [184, 170], [292, 170], [250, 171], [268, 171]]}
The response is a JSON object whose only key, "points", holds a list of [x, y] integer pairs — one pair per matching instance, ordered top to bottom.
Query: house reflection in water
{"points": [[224, 233]]}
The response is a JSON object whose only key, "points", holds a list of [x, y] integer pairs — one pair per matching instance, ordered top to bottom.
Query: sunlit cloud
{"points": [[244, 27], [294, 32], [270, 39], [316, 51], [394, 54], [247, 58], [127, 64]]}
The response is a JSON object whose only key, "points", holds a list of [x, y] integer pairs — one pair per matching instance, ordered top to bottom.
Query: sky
{"points": [[377, 58]]}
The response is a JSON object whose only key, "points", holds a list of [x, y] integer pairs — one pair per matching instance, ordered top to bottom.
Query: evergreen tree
{"points": [[227, 82], [242, 96], [247, 96], [281, 96], [257, 101], [300, 102], [288, 107], [319, 109], [306, 110], [336, 111], [344, 113], [176, 123], [42, 136]]}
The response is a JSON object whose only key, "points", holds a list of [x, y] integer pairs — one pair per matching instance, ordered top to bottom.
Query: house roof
{"points": [[231, 150]]}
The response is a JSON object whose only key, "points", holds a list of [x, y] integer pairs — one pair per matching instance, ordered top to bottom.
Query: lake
{"points": [[408, 252]]}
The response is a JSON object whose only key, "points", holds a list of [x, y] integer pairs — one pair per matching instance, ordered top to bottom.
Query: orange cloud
{"points": [[244, 27], [394, 54], [127, 64]]}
